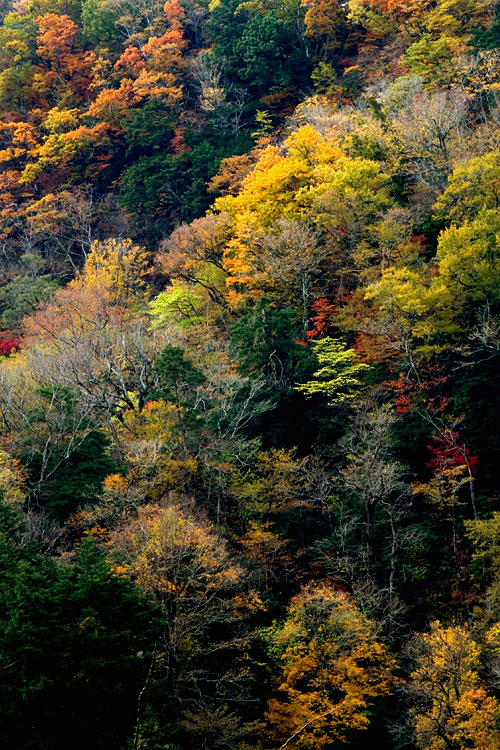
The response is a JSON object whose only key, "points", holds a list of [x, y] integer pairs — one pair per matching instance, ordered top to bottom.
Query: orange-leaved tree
{"points": [[333, 671]]}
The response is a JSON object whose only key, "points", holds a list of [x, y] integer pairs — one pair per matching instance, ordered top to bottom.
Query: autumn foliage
{"points": [[249, 382]]}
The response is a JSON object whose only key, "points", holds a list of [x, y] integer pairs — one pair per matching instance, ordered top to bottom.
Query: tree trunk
{"points": [[370, 531]]}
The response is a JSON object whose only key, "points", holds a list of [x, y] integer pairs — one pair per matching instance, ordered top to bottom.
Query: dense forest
{"points": [[249, 374]]}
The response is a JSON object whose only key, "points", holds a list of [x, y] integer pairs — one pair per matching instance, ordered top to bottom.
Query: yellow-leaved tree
{"points": [[297, 212], [116, 266], [436, 302], [184, 564], [333, 671], [453, 711]]}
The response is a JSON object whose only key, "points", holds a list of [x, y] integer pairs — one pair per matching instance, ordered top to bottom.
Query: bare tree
{"points": [[428, 132], [372, 475]]}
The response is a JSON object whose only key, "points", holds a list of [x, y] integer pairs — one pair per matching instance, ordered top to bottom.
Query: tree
{"points": [[401, 8], [459, 17], [323, 20], [99, 22], [488, 38], [260, 50], [436, 60], [152, 68], [65, 73], [428, 132], [87, 150], [472, 187], [165, 189], [296, 212], [61, 226], [193, 253], [288, 264], [468, 267], [116, 268], [21, 297], [437, 302], [180, 304], [264, 344], [98, 349], [86, 362], [178, 376], [338, 378], [43, 422], [73, 475], [375, 477], [12, 481], [275, 485], [485, 536], [188, 570], [71, 639], [333, 670], [453, 709]]}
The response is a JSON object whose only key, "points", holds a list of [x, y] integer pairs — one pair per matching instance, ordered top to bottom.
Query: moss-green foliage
{"points": [[99, 23], [488, 39], [263, 51], [164, 188], [22, 296], [265, 343], [178, 375], [75, 480], [70, 637]]}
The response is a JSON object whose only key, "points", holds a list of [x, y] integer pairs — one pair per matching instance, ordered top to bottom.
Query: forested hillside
{"points": [[249, 374]]}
